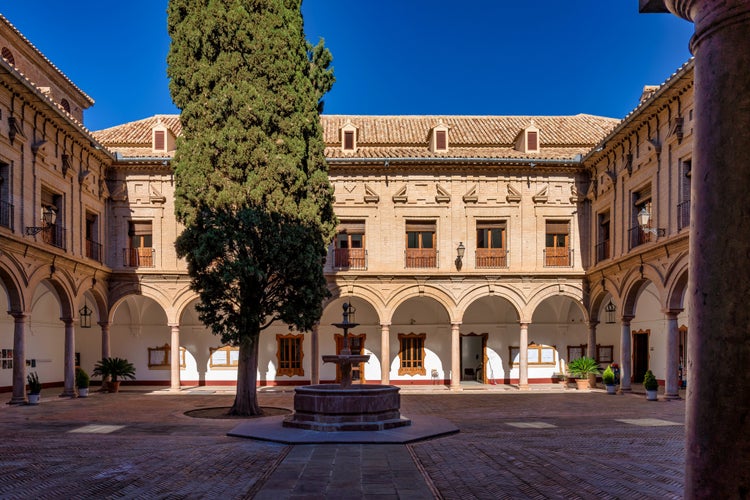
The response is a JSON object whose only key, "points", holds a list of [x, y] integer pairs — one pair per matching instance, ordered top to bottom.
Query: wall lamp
{"points": [[49, 215], [644, 217], [460, 251], [609, 312], [85, 313]]}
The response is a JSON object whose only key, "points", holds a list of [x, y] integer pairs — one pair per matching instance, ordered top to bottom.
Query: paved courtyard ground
{"points": [[540, 444]]}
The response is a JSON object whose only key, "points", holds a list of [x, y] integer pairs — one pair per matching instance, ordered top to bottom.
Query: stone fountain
{"points": [[346, 407]]}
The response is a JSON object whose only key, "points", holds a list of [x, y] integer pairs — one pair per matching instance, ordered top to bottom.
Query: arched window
{"points": [[8, 55], [65, 105]]}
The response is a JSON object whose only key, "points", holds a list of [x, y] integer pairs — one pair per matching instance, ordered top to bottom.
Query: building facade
{"points": [[482, 249]]}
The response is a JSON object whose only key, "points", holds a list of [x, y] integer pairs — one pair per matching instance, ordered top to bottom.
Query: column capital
{"points": [[672, 313]]}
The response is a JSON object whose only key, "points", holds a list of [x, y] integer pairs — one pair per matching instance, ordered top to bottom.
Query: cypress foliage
{"points": [[251, 179]]}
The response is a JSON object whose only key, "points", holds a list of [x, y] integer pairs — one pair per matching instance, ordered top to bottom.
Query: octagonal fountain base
{"points": [[329, 407]]}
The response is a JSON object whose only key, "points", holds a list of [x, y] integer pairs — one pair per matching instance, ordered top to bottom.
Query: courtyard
{"points": [[545, 443]]}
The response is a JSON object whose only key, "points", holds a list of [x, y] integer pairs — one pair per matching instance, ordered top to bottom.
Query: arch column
{"points": [[20, 320], [105, 339], [591, 348], [385, 353], [315, 354], [523, 354], [625, 355], [455, 356], [174, 358], [69, 365], [672, 382], [718, 401]]}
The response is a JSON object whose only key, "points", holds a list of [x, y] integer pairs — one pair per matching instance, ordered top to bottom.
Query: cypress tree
{"points": [[251, 181]]}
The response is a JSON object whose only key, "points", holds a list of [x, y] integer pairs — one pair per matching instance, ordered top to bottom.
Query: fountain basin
{"points": [[329, 407]]}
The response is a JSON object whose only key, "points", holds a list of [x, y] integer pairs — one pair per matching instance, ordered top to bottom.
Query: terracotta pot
{"points": [[582, 384], [113, 386]]}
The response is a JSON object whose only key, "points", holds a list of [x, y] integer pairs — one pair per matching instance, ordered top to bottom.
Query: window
{"points": [[8, 55], [65, 105], [349, 137], [160, 140], [349, 140], [441, 140], [532, 140], [641, 201], [683, 207], [6, 209], [54, 232], [603, 243], [420, 244], [491, 245], [93, 249], [557, 250], [349, 252], [140, 253], [411, 353], [605, 354], [289, 355], [537, 355], [159, 357], [223, 357]]}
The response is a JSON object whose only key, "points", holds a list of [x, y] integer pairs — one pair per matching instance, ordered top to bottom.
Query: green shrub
{"points": [[116, 368], [608, 377], [82, 378], [649, 381], [35, 387]]}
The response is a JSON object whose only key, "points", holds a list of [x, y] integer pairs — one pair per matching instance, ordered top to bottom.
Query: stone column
{"points": [[105, 339], [591, 348], [385, 353], [523, 353], [315, 355], [625, 355], [455, 356], [19, 358], [174, 358], [69, 364], [672, 380], [718, 396]]}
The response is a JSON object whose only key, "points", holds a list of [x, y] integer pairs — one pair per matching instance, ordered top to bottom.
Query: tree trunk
{"points": [[246, 400]]}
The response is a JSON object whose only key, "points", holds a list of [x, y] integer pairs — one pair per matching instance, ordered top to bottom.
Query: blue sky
{"points": [[441, 57]]}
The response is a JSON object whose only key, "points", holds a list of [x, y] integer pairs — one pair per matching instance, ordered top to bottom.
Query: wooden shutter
{"points": [[159, 140], [441, 140], [532, 141]]}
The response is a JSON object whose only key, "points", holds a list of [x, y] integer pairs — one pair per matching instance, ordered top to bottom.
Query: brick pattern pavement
{"points": [[568, 445]]}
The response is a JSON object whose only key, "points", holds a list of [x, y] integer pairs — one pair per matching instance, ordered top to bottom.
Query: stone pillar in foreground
{"points": [[385, 353], [523, 354], [455, 356], [19, 358], [174, 358], [69, 362], [626, 369], [672, 381], [717, 461]]}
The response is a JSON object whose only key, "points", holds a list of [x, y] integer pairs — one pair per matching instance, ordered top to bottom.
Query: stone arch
{"points": [[634, 283], [12, 285], [676, 287], [551, 291], [366, 293], [507, 293], [64, 294], [401, 296]]}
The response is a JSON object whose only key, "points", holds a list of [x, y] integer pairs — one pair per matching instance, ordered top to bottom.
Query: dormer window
{"points": [[349, 137], [162, 139], [439, 139], [528, 140]]}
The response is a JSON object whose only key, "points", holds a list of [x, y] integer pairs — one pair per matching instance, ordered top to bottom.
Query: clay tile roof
{"points": [[133, 140]]}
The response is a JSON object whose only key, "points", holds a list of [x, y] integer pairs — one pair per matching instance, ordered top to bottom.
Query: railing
{"points": [[6, 214], [683, 214], [54, 235], [637, 236], [94, 250], [602, 251], [138, 257], [421, 257], [491, 257], [557, 257], [350, 258]]}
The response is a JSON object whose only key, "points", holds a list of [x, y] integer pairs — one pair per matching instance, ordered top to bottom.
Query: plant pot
{"points": [[582, 384], [113, 386], [612, 389], [83, 392], [652, 395], [34, 399]]}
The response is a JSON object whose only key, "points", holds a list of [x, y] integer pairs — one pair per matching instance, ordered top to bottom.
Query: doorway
{"points": [[640, 355], [473, 357]]}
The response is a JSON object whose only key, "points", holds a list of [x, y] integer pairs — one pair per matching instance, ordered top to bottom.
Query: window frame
{"points": [[291, 345], [415, 364]]}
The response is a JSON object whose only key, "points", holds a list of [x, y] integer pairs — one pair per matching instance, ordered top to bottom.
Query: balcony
{"points": [[6, 214], [683, 215], [54, 235], [637, 236], [94, 250], [603, 251], [138, 257], [421, 257], [491, 257], [558, 257], [350, 258]]}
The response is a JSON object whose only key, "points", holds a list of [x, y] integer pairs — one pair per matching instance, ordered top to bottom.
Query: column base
{"points": [[524, 387], [456, 388], [625, 390], [69, 394], [672, 397], [17, 401]]}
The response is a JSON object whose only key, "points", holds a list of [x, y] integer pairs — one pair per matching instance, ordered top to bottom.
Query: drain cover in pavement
{"points": [[647, 422], [532, 425], [97, 429]]}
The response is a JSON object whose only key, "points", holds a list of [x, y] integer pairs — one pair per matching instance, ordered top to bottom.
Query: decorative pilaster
{"points": [[385, 353]]}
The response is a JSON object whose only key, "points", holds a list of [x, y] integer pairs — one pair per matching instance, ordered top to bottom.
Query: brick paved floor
{"points": [[139, 444]]}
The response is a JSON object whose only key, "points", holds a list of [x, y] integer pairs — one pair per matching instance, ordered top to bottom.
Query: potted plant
{"points": [[581, 368], [115, 369], [608, 378], [82, 382], [651, 386], [35, 388]]}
